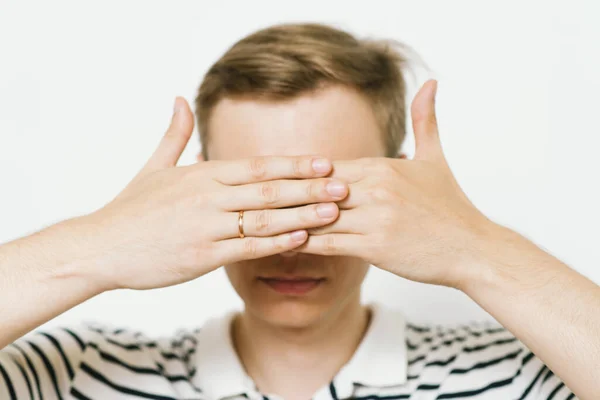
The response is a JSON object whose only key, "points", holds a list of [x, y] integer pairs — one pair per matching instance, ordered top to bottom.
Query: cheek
{"points": [[349, 272], [240, 276]]}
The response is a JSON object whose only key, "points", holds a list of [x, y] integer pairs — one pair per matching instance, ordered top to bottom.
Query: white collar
{"points": [[379, 361], [219, 371]]}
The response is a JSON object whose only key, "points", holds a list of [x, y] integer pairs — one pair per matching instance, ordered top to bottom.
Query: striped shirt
{"points": [[395, 360]]}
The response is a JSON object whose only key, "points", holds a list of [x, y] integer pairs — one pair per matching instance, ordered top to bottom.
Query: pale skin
{"points": [[409, 217]]}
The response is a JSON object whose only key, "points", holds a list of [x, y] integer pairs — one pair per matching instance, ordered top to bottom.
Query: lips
{"points": [[292, 286]]}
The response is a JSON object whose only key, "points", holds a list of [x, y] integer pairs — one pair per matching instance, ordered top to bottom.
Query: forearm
{"points": [[43, 275], [552, 309]]}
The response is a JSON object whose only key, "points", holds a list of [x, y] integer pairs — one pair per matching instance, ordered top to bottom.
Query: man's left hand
{"points": [[409, 217]]}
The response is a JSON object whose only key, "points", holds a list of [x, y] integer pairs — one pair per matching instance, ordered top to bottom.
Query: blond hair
{"points": [[283, 61]]}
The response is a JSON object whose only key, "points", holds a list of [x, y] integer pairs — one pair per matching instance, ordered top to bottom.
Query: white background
{"points": [[86, 91]]}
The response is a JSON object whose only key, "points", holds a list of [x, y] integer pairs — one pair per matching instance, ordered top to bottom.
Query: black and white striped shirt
{"points": [[395, 360]]}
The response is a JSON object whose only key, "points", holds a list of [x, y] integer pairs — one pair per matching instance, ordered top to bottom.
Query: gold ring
{"points": [[241, 224]]}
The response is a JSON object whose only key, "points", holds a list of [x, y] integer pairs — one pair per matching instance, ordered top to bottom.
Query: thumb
{"points": [[175, 139], [427, 140]]}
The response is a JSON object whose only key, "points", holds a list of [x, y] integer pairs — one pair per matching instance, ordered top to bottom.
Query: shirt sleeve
{"points": [[42, 364], [539, 381], [552, 387]]}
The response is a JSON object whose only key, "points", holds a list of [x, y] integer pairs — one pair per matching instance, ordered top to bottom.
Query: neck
{"points": [[291, 362]]}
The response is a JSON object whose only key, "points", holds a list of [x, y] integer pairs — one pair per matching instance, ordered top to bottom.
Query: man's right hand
{"points": [[173, 224]]}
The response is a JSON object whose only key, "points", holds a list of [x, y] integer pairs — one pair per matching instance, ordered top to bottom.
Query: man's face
{"points": [[335, 122]]}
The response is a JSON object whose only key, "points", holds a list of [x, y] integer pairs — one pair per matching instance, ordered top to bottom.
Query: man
{"points": [[301, 191]]}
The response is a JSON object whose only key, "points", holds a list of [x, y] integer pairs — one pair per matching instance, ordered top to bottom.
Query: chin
{"points": [[289, 313]]}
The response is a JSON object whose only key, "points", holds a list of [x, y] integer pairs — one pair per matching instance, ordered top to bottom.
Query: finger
{"points": [[175, 139], [427, 140], [260, 169], [350, 171], [353, 171], [281, 193], [359, 194], [348, 221], [267, 222], [334, 244], [249, 248]]}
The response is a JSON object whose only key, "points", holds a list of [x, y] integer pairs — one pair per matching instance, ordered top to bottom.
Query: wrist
{"points": [[82, 261], [506, 262], [42, 276]]}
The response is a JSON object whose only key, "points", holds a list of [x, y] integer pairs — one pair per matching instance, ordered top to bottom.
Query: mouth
{"points": [[292, 285]]}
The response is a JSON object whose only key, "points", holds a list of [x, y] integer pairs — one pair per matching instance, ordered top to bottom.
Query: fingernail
{"points": [[321, 165], [336, 189], [326, 210], [299, 236]]}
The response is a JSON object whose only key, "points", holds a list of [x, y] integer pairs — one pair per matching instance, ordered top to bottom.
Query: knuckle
{"points": [[431, 119], [171, 134], [367, 160], [368, 163], [378, 166], [384, 166], [297, 167], [371, 167], [258, 168], [312, 189], [270, 192], [380, 193], [201, 200], [308, 214], [387, 217], [263, 220], [318, 231], [278, 244], [377, 244], [330, 245], [251, 247], [200, 254]]}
